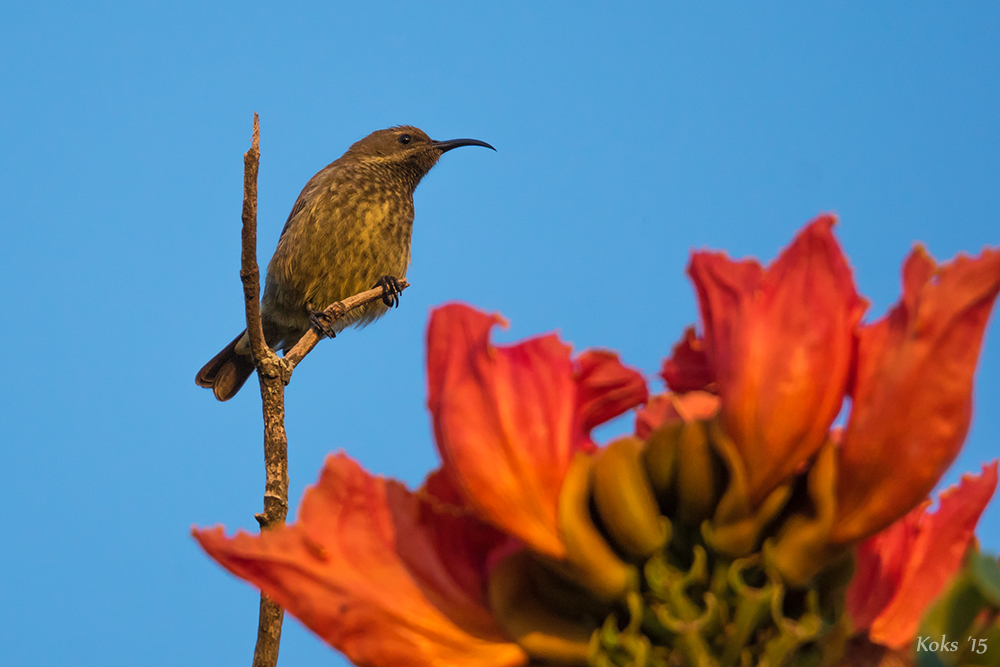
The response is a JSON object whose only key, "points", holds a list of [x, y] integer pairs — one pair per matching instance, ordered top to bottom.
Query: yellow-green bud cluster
{"points": [[664, 568]]}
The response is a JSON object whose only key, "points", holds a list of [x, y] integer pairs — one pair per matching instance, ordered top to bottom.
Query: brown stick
{"points": [[334, 311], [272, 392]]}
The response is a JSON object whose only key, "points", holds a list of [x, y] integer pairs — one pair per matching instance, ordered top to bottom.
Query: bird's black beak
{"points": [[445, 146]]}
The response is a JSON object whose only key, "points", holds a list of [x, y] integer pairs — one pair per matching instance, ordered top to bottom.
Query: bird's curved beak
{"points": [[445, 146]]}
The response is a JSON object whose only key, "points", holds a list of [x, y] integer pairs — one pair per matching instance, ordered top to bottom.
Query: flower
{"points": [[726, 529], [902, 569], [393, 577]]}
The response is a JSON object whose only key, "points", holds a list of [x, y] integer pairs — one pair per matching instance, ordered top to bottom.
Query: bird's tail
{"points": [[226, 372]]}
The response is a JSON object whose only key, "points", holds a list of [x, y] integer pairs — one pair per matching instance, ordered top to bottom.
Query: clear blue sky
{"points": [[626, 136]]}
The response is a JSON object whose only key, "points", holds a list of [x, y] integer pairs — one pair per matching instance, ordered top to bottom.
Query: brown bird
{"points": [[348, 231]]}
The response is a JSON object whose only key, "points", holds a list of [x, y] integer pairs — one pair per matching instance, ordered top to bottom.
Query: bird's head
{"points": [[405, 149]]}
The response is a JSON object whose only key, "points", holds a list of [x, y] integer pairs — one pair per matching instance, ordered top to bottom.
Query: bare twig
{"points": [[334, 311], [272, 392]]}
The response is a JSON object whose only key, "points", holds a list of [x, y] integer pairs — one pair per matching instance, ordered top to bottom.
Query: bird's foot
{"points": [[391, 290], [322, 323]]}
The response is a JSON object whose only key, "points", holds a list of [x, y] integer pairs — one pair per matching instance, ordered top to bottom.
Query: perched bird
{"points": [[348, 231]]}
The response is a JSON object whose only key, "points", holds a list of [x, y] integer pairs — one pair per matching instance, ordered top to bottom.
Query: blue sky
{"points": [[625, 136]]}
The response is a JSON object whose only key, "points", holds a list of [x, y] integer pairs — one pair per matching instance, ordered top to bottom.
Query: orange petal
{"points": [[779, 344], [687, 368], [605, 389], [912, 399], [669, 408], [659, 410], [504, 421], [464, 546], [879, 564], [346, 570], [901, 570]]}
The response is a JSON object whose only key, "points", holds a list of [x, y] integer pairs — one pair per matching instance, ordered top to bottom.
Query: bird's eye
{"points": [[404, 138]]}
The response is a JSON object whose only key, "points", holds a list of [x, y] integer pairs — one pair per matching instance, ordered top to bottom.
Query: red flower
{"points": [[902, 569], [391, 577]]}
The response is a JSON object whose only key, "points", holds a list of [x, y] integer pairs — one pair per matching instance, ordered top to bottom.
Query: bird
{"points": [[348, 231]]}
